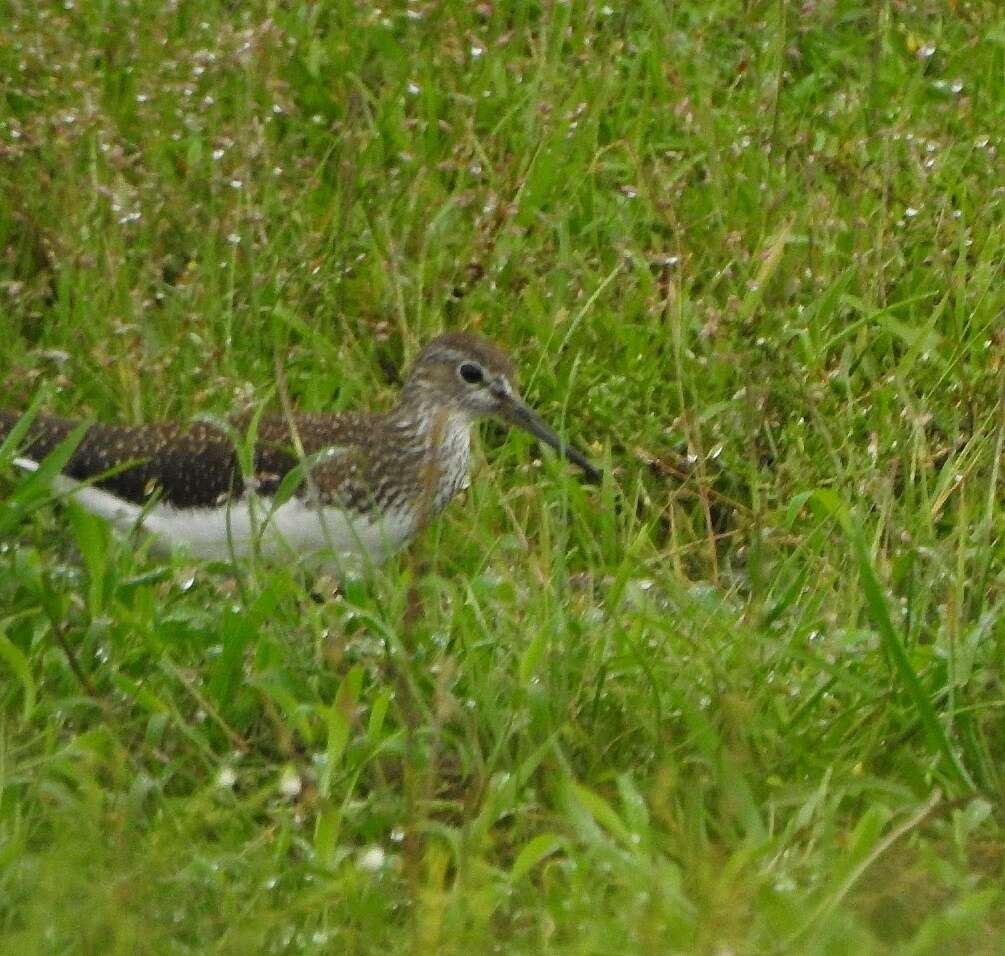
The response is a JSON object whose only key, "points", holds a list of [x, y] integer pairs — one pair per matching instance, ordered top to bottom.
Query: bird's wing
{"points": [[327, 459], [183, 465], [197, 465]]}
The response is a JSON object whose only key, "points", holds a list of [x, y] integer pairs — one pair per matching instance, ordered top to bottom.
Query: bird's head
{"points": [[469, 374]]}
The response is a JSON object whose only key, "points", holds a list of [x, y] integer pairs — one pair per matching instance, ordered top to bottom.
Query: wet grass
{"points": [[746, 697]]}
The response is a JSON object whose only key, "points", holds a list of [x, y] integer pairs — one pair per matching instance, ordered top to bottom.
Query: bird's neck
{"points": [[426, 418], [441, 434]]}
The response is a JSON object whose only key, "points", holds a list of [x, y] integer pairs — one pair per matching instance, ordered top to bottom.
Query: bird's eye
{"points": [[471, 373]]}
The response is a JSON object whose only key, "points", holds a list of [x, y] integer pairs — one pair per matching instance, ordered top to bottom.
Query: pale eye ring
{"points": [[471, 373]]}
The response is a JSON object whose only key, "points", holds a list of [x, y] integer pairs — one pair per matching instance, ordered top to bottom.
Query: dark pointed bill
{"points": [[526, 418]]}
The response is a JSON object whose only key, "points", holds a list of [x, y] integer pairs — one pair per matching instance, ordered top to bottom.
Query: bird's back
{"points": [[189, 465]]}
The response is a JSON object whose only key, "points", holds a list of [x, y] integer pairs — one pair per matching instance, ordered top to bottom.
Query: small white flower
{"points": [[290, 783], [372, 859]]}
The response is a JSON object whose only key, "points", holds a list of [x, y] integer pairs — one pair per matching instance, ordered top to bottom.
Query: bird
{"points": [[345, 489]]}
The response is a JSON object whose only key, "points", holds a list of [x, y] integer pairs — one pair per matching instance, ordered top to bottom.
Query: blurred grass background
{"points": [[746, 698]]}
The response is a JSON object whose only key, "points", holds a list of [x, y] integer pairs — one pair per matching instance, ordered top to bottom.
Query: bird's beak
{"points": [[519, 413]]}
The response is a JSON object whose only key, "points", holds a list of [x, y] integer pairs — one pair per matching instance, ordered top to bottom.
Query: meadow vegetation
{"points": [[746, 697]]}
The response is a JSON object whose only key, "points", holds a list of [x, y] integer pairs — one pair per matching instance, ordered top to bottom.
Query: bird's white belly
{"points": [[333, 537]]}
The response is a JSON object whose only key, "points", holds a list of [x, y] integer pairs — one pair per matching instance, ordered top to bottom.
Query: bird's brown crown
{"points": [[458, 346]]}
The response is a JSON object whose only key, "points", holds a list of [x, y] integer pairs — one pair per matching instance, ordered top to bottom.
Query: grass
{"points": [[745, 698]]}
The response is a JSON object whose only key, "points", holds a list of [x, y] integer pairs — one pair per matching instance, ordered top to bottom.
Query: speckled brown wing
{"points": [[336, 454], [356, 461], [185, 465], [196, 465]]}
